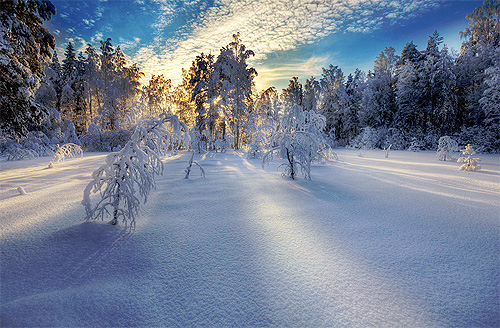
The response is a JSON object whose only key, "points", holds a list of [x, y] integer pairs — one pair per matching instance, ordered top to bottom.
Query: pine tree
{"points": [[26, 45], [477, 54], [69, 64], [200, 72], [92, 84], [333, 93], [293, 94], [311, 94], [490, 102], [470, 163]]}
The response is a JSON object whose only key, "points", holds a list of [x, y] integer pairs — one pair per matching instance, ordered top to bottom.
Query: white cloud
{"points": [[266, 26], [302, 69]]}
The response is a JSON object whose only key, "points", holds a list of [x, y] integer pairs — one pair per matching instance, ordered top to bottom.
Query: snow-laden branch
{"points": [[299, 140], [67, 150], [190, 164], [129, 174]]}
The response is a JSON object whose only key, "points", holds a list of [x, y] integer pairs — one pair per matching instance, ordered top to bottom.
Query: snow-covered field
{"points": [[405, 241]]}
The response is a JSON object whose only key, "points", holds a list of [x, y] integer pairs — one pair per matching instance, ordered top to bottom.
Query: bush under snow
{"points": [[446, 147], [470, 163]]}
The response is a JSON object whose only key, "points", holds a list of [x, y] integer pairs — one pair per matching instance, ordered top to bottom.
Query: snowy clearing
{"points": [[404, 241]]}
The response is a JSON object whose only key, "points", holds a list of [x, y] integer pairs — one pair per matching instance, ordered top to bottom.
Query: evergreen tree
{"points": [[26, 45], [477, 54], [69, 63], [385, 63], [200, 72], [437, 84], [293, 94], [311, 96], [407, 96], [334, 99], [490, 101], [108, 111]]}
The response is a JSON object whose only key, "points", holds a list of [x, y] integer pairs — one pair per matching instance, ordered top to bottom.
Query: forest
{"points": [[95, 99]]}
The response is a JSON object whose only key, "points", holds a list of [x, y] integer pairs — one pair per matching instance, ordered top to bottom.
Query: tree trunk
{"points": [[290, 161]]}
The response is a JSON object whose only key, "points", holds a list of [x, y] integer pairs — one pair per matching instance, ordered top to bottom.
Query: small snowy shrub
{"points": [[176, 133], [70, 134], [368, 139], [95, 140], [299, 140], [38, 142], [415, 145], [446, 147], [68, 150], [21, 154], [470, 163], [190, 164]]}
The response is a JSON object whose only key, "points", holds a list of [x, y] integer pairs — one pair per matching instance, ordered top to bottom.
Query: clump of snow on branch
{"points": [[177, 133], [299, 140], [446, 147], [68, 150], [470, 163], [129, 174]]}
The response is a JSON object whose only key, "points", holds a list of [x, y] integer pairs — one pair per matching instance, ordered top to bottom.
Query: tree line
{"points": [[408, 99]]}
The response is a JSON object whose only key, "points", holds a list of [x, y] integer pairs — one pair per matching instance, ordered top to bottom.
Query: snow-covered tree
{"points": [[25, 45], [477, 54], [200, 72], [230, 86], [155, 94], [293, 94], [311, 95], [490, 102], [299, 140], [446, 147], [470, 163], [129, 174]]}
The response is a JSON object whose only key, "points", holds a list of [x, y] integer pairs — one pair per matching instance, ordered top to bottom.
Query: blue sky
{"points": [[289, 38]]}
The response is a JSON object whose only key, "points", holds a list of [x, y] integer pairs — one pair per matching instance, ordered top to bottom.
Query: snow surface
{"points": [[404, 241]]}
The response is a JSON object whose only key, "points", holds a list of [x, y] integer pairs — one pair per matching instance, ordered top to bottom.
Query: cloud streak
{"points": [[266, 26]]}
